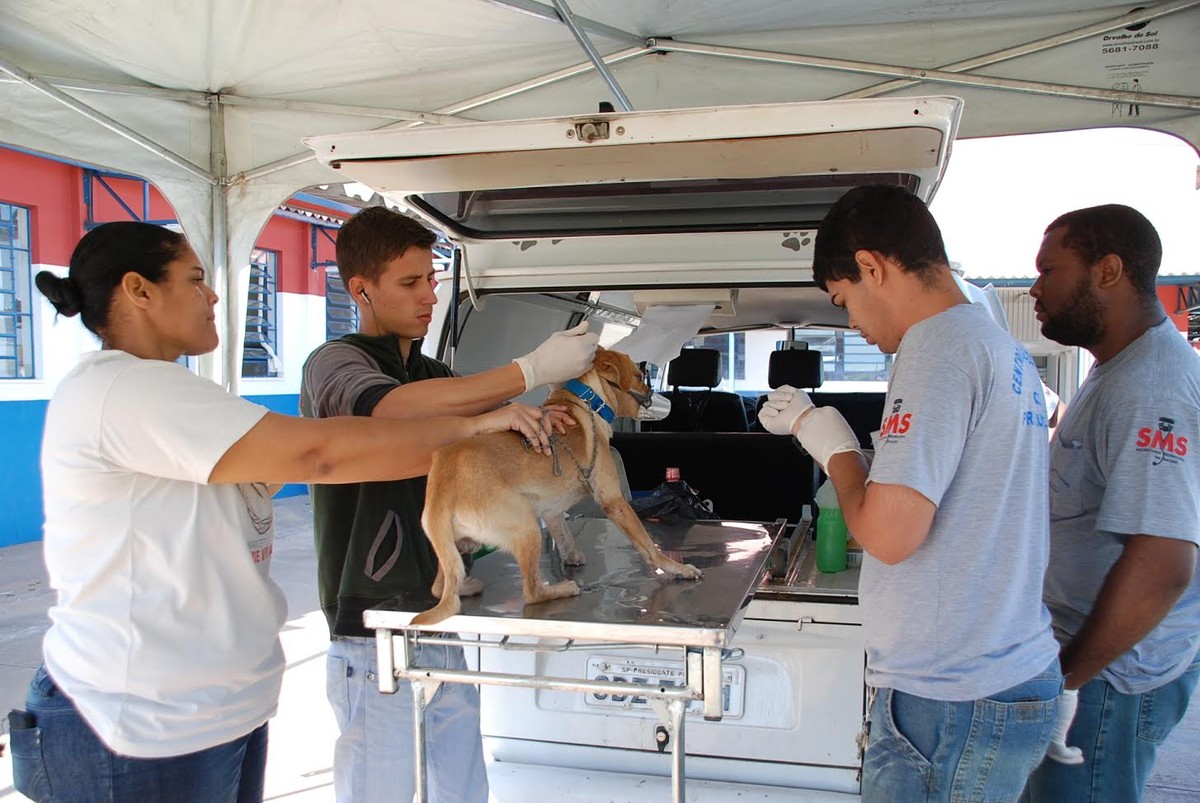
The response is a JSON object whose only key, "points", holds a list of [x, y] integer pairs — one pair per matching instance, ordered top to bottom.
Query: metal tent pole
{"points": [[564, 11], [39, 85], [223, 277]]}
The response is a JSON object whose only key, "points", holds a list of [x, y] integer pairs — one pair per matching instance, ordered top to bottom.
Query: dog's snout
{"points": [[659, 407]]}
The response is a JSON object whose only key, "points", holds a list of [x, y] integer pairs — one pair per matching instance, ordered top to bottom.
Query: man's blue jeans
{"points": [[1119, 735], [977, 750], [373, 756], [61, 759]]}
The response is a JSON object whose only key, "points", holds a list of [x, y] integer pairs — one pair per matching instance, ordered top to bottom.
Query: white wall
{"points": [[300, 324]]}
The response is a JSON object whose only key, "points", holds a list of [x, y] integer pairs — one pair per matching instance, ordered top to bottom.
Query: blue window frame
{"points": [[111, 184], [16, 296], [341, 313], [847, 355], [260, 356]]}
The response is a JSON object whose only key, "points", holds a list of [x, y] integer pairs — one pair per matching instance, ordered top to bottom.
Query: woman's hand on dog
{"points": [[537, 424]]}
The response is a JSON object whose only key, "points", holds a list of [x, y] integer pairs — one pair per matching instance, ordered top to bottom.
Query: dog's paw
{"points": [[575, 557], [684, 570], [471, 586], [564, 588], [549, 591]]}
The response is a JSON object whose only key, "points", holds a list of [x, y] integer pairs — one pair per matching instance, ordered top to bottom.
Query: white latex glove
{"points": [[564, 355], [783, 409], [824, 433], [1058, 750]]}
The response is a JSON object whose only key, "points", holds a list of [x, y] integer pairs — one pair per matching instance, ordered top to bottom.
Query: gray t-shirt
{"points": [[965, 426], [1124, 462]]}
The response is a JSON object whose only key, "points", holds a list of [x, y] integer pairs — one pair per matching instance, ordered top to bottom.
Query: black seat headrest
{"points": [[695, 368], [800, 368]]}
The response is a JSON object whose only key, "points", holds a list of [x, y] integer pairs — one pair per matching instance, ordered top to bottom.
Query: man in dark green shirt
{"points": [[370, 546]]}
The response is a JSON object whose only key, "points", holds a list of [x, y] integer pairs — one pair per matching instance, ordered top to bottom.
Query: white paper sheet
{"points": [[987, 296], [663, 331]]}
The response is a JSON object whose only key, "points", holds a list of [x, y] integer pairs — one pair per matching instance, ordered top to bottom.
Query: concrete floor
{"points": [[299, 766]]}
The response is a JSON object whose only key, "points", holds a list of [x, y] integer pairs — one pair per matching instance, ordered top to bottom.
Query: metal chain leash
{"points": [[585, 474]]}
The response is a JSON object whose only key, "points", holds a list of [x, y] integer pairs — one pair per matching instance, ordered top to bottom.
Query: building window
{"points": [[16, 297], [341, 314], [847, 356], [260, 357]]}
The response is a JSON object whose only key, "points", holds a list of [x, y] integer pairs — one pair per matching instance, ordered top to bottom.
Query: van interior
{"points": [[684, 237], [716, 385]]}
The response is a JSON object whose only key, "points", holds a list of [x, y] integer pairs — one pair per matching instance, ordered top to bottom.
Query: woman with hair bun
{"points": [[162, 663]]}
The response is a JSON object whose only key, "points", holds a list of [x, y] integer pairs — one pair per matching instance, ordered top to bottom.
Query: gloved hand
{"points": [[564, 355], [783, 409], [824, 433], [1058, 750]]}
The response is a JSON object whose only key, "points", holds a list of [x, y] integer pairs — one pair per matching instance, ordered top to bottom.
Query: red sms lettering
{"points": [[896, 424], [1166, 441]]}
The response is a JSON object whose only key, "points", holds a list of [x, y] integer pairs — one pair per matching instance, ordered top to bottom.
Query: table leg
{"points": [[385, 659], [714, 699], [677, 708], [421, 793]]}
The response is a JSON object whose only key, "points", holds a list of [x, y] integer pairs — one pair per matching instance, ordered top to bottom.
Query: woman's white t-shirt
{"points": [[166, 630]]}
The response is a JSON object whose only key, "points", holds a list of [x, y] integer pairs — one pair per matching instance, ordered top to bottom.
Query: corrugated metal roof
{"points": [[310, 214], [1164, 278]]}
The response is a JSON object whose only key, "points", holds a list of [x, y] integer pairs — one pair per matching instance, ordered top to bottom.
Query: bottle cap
{"points": [[672, 474]]}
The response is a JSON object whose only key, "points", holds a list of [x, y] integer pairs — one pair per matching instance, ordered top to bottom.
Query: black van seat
{"points": [[800, 368], [704, 410], [862, 411], [748, 477]]}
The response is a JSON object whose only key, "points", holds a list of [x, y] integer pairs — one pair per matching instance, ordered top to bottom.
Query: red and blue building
{"points": [[295, 301]]}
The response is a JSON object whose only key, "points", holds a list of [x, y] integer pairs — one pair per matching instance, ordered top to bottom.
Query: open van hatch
{"points": [[762, 168], [672, 203]]}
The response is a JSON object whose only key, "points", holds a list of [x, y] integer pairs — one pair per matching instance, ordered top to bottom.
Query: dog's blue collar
{"points": [[592, 399]]}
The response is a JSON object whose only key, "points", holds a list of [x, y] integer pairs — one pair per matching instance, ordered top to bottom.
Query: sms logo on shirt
{"points": [[896, 424], [1163, 442]]}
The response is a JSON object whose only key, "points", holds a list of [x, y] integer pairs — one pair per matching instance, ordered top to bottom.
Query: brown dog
{"points": [[492, 489]]}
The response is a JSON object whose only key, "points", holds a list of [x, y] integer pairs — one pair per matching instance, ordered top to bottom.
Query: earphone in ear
{"points": [[364, 295]]}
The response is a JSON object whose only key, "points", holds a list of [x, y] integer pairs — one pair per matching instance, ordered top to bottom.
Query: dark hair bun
{"points": [[62, 293]]}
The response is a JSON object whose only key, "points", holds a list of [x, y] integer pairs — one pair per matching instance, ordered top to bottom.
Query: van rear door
{"points": [[655, 198]]}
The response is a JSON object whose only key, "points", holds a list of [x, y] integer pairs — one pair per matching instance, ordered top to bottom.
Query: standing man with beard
{"points": [[1124, 504]]}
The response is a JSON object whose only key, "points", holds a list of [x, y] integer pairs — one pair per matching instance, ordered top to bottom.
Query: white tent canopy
{"points": [[209, 99]]}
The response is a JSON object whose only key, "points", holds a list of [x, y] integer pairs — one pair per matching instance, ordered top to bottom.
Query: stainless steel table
{"points": [[801, 579], [623, 603]]}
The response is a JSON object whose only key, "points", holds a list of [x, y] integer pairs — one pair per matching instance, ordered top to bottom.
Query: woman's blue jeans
{"points": [[1119, 735], [976, 750], [60, 759]]}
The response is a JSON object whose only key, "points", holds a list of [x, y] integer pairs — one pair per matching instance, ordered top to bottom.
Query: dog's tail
{"points": [[439, 527]]}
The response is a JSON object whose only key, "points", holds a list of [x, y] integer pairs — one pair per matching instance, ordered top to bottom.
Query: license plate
{"points": [[657, 672]]}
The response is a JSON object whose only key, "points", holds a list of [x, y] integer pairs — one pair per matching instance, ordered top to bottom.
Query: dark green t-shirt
{"points": [[371, 550]]}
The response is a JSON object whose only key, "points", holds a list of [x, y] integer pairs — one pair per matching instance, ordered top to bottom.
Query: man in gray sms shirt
{"points": [[1124, 504], [952, 513]]}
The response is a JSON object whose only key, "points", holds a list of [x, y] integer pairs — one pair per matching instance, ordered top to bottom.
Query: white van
{"points": [[630, 220]]}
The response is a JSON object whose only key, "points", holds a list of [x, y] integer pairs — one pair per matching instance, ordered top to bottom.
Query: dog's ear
{"points": [[608, 365], [624, 370]]}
